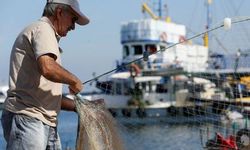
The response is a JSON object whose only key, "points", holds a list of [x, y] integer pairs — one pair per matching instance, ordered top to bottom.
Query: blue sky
{"points": [[95, 47]]}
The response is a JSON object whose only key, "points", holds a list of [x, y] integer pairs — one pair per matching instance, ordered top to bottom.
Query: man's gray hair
{"points": [[50, 8]]}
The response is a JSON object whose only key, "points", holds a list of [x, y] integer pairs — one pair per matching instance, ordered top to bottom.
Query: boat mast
{"points": [[146, 8], [160, 9], [209, 20]]}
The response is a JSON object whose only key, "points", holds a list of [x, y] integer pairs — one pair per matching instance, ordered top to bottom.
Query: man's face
{"points": [[66, 22]]}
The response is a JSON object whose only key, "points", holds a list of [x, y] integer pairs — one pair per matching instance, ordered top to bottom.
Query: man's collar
{"points": [[46, 19]]}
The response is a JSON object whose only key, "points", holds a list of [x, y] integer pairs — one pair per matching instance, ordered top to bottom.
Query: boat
{"points": [[161, 69], [153, 71], [3, 95]]}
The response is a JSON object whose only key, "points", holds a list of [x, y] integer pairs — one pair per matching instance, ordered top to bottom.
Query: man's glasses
{"points": [[72, 15], [74, 19]]}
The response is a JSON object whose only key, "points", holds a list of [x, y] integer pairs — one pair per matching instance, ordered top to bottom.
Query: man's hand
{"points": [[76, 88]]}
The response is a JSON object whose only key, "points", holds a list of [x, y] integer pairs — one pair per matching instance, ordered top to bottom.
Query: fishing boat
{"points": [[161, 69], [153, 71]]}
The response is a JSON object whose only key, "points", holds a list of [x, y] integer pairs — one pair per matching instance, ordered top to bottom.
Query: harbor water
{"points": [[145, 135]]}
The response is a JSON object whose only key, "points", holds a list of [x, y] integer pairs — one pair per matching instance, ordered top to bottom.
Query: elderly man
{"points": [[36, 76]]}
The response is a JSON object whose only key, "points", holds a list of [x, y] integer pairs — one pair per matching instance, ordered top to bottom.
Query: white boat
{"points": [[155, 66], [140, 85], [124, 91], [3, 95]]}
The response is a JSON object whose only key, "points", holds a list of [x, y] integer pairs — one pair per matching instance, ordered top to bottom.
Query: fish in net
{"points": [[97, 129]]}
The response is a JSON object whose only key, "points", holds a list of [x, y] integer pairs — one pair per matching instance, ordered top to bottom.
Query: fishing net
{"points": [[222, 99], [211, 102], [97, 130]]}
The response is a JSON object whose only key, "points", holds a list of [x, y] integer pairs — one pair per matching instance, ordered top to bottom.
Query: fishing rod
{"points": [[227, 23]]}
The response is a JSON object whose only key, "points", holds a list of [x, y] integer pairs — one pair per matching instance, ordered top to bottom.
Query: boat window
{"points": [[151, 48], [137, 49], [125, 51], [144, 86], [149, 86], [118, 88], [126, 88], [160, 88], [193, 88], [1, 94]]}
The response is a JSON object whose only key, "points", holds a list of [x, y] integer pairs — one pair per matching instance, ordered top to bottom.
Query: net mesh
{"points": [[216, 99], [97, 130]]}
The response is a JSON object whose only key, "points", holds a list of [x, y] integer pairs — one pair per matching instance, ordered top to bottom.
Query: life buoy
{"points": [[163, 37], [182, 39], [135, 68]]}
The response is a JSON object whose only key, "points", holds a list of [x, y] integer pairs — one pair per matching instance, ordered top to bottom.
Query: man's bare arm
{"points": [[52, 71], [67, 104]]}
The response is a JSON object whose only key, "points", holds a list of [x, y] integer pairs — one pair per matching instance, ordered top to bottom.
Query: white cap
{"points": [[74, 4]]}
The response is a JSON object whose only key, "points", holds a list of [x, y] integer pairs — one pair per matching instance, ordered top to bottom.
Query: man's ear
{"points": [[59, 12]]}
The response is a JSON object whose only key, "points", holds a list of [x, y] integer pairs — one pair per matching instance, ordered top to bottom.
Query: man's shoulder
{"points": [[37, 26]]}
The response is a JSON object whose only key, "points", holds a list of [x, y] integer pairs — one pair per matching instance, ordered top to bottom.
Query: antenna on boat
{"points": [[146, 8], [160, 9], [209, 20]]}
